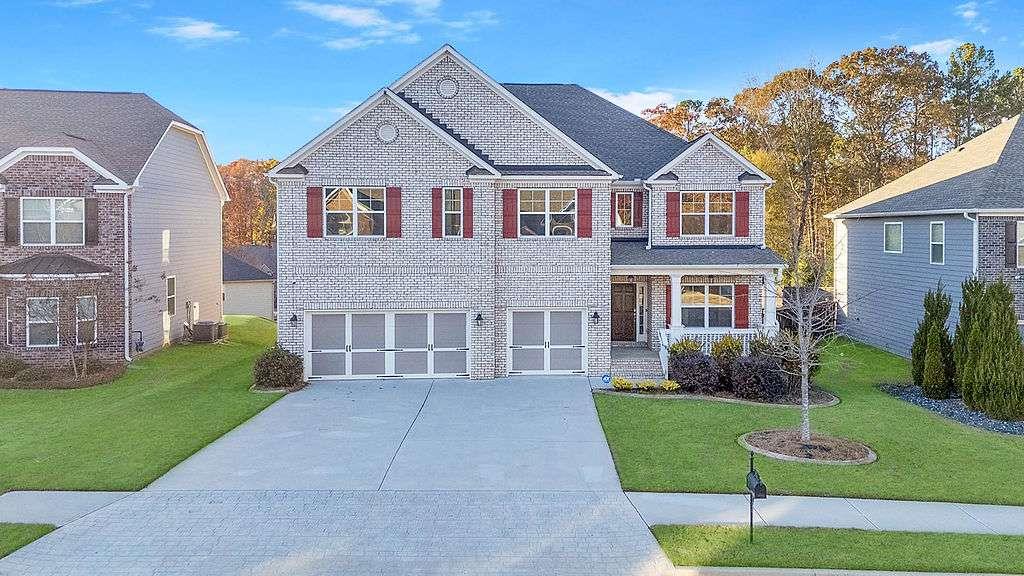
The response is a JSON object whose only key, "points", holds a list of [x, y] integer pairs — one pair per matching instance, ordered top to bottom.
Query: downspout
{"points": [[647, 210], [974, 247], [127, 287]]}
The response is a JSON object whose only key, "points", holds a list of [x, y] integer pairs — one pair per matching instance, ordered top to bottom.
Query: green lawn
{"points": [[123, 435], [690, 445], [14, 536], [841, 549]]}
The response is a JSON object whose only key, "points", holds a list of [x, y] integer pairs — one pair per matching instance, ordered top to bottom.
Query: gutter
{"points": [[974, 247]]}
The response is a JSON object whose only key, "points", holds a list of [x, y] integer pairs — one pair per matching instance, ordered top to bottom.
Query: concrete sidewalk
{"points": [[53, 506], [805, 511]]}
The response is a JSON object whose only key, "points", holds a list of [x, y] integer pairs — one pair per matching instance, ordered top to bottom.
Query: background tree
{"points": [[971, 82], [683, 119], [249, 218]]}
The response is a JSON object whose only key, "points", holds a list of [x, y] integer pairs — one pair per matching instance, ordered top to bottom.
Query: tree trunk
{"points": [[805, 397]]}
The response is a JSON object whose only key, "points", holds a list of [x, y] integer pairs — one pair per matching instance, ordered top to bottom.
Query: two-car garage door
{"points": [[386, 344]]}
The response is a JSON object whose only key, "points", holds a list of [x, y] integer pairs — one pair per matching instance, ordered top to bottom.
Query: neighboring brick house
{"points": [[960, 215], [110, 220], [451, 225]]}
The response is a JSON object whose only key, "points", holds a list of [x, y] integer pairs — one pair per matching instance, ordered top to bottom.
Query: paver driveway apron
{"points": [[509, 476]]}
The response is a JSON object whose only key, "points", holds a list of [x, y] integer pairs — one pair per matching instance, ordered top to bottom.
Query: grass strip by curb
{"points": [[14, 536]]}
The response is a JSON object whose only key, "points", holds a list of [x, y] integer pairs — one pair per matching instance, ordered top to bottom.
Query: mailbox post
{"points": [[757, 491]]}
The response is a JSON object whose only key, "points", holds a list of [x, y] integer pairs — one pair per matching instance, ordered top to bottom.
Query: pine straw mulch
{"points": [[824, 449]]}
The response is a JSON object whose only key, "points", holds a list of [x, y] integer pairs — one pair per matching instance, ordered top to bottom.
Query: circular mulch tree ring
{"points": [[785, 444]]}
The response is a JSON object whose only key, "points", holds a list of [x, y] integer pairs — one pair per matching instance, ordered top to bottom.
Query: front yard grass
{"points": [[125, 434], [690, 445], [14, 536], [841, 549]]}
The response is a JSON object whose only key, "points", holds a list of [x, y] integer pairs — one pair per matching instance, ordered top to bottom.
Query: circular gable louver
{"points": [[447, 87]]}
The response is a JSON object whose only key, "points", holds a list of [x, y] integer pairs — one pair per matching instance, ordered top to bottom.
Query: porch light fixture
{"points": [[595, 318], [479, 319], [294, 320]]}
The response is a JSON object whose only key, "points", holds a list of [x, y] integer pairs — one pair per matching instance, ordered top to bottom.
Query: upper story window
{"points": [[624, 210], [354, 211], [453, 212], [547, 212], [707, 213], [53, 221], [893, 237], [937, 242], [707, 306], [41, 322]]}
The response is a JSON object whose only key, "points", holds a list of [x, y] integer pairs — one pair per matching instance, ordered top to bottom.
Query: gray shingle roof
{"points": [[119, 130], [632, 146], [548, 170], [635, 253], [243, 263], [52, 264]]}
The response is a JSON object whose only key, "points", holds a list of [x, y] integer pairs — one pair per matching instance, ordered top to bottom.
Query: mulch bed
{"points": [[62, 381], [262, 389], [818, 397], [954, 409], [825, 449]]}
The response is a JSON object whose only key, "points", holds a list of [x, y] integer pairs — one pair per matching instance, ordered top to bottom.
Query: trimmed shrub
{"points": [[937, 305], [972, 310], [762, 345], [686, 346], [725, 351], [9, 366], [277, 369], [695, 373], [968, 373], [34, 374], [999, 374], [758, 378], [620, 383], [934, 384], [646, 385], [669, 386]]}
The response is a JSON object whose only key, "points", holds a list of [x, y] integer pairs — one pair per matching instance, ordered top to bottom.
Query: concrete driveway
{"points": [[384, 477]]}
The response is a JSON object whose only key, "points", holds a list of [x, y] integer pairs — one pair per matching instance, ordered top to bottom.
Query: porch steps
{"points": [[636, 363]]}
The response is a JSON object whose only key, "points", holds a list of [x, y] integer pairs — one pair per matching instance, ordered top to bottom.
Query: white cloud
{"points": [[75, 3], [968, 11], [347, 15], [472, 21], [195, 31], [362, 41], [938, 47], [637, 101]]}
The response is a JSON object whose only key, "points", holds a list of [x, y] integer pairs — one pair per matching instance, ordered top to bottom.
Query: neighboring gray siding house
{"points": [[960, 215], [111, 225], [454, 226], [249, 280]]}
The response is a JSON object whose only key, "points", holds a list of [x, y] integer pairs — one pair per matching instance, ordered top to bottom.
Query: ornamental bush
{"points": [[937, 305], [972, 310], [762, 345], [686, 346], [725, 351], [277, 369], [695, 373], [968, 373], [758, 378], [620, 383], [933, 383], [646, 385], [669, 386], [998, 386]]}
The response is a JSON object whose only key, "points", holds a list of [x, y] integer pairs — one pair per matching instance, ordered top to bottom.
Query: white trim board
{"points": [[697, 144]]}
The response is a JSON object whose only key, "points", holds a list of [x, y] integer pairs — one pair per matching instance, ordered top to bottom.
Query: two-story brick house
{"points": [[110, 211], [451, 225]]}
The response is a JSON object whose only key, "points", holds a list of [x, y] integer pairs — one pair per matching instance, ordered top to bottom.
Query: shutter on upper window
{"points": [[638, 208], [314, 212], [436, 212], [467, 212], [585, 212], [742, 213], [509, 214], [672, 214], [393, 216], [12, 221], [92, 222], [1011, 244], [741, 305]]}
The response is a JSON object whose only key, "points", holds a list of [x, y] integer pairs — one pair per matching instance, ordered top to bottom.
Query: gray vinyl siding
{"points": [[176, 193], [885, 291]]}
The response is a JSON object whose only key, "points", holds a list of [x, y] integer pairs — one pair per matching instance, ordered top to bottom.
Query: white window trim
{"points": [[632, 210], [354, 212], [445, 212], [547, 213], [707, 214], [52, 221], [885, 237], [932, 242], [1020, 243], [168, 295], [708, 306], [95, 321], [28, 323]]}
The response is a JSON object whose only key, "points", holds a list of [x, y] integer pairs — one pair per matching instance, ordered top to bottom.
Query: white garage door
{"points": [[547, 342], [386, 344]]}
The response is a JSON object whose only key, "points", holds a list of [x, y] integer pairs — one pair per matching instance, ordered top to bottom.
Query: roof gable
{"points": [[747, 172]]}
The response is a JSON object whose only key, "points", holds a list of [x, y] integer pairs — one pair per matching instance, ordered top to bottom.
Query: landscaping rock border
{"points": [[833, 400], [953, 409], [871, 457]]}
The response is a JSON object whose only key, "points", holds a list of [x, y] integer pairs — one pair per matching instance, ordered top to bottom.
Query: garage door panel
{"points": [[528, 328], [566, 328], [328, 331], [369, 331], [411, 331], [450, 331], [528, 359], [566, 359], [450, 362], [328, 363], [368, 363], [411, 363]]}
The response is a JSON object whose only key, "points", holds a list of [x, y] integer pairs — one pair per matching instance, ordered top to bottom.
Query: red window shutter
{"points": [[615, 207], [638, 208], [436, 211], [314, 212], [467, 212], [585, 212], [742, 213], [509, 214], [672, 214], [393, 218], [668, 305], [741, 305]]}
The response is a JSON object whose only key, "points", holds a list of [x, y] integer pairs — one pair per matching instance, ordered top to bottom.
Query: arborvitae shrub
{"points": [[972, 304], [937, 305], [1001, 365], [968, 372], [934, 383]]}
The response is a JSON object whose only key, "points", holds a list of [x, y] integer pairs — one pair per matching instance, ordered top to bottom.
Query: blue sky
{"points": [[262, 78]]}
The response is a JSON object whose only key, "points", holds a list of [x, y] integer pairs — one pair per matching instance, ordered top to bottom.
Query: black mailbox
{"points": [[756, 488]]}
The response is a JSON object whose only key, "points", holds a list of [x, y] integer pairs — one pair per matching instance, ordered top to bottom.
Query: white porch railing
{"points": [[706, 336]]}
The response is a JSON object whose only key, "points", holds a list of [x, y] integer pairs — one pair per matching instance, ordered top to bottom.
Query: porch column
{"points": [[675, 281], [771, 291]]}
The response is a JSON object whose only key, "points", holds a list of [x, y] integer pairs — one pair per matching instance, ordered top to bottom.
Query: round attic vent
{"points": [[447, 88], [387, 133]]}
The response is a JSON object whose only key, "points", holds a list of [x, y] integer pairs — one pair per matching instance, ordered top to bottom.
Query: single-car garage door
{"points": [[547, 342], [386, 344]]}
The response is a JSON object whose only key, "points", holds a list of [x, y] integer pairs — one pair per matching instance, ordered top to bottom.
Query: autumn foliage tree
{"points": [[249, 218]]}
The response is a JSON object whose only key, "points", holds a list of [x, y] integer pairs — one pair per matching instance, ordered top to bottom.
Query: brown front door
{"points": [[624, 312]]}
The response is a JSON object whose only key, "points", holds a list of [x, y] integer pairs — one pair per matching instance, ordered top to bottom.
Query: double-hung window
{"points": [[624, 210], [354, 211], [453, 212], [547, 212], [707, 213], [53, 221], [893, 237], [937, 242], [172, 295], [707, 306], [85, 320], [41, 321]]}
